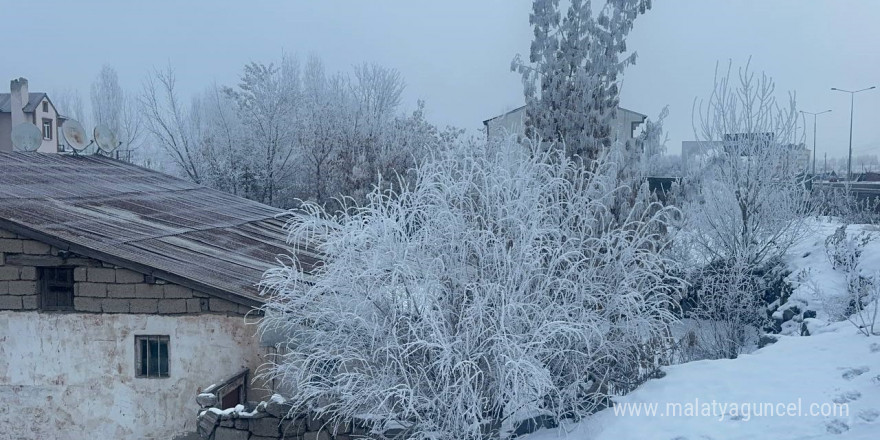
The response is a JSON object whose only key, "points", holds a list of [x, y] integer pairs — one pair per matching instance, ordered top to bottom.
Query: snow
{"points": [[818, 286], [839, 365], [837, 369]]}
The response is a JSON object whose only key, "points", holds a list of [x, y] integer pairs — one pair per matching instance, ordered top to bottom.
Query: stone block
{"points": [[6, 234], [11, 245], [33, 247], [9, 273], [27, 273], [80, 274], [101, 275], [128, 276], [4, 287], [22, 287], [93, 290], [121, 291], [148, 291], [175, 291], [198, 294], [10, 302], [30, 302], [83, 304], [114, 305], [141, 305], [192, 305], [219, 305], [172, 306], [246, 310], [207, 399], [279, 410], [210, 416], [228, 422], [313, 423], [241, 424], [268, 426], [205, 427], [293, 427], [223, 433], [317, 435], [260, 437]]}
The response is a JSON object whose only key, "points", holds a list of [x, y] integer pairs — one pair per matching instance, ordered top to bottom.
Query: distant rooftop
{"points": [[34, 100], [522, 107]]}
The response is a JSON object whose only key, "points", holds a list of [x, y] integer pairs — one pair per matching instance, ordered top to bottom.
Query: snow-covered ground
{"points": [[826, 385]]}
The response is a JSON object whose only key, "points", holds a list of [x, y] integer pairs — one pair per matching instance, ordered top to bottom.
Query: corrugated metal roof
{"points": [[34, 100], [144, 220]]}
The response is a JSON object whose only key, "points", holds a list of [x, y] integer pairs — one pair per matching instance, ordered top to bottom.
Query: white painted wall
{"points": [[513, 124], [48, 145], [71, 375]]}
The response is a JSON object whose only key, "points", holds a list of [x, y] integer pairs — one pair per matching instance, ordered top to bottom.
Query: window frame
{"points": [[45, 106], [47, 122], [46, 283], [143, 372]]}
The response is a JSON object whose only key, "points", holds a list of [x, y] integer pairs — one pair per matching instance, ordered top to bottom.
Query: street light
{"points": [[852, 95], [814, 135]]}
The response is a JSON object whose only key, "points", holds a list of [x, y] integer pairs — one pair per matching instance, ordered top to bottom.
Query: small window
{"points": [[45, 107], [47, 129], [56, 288], [151, 356]]}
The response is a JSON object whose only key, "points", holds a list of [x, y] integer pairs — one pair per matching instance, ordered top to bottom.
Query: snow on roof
{"points": [[144, 220]]}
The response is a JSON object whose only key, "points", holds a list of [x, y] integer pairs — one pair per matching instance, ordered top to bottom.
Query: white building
{"points": [[19, 106], [512, 123]]}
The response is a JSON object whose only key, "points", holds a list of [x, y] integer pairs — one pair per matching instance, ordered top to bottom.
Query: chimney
{"points": [[18, 98]]}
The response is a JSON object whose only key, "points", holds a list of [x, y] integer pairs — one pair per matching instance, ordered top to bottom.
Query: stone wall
{"points": [[98, 287], [72, 374], [272, 421]]}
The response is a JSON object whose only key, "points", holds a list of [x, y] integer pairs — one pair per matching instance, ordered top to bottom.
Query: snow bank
{"points": [[838, 367]]}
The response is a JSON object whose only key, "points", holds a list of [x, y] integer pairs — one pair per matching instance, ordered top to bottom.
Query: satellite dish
{"points": [[74, 135], [26, 137], [106, 138]]}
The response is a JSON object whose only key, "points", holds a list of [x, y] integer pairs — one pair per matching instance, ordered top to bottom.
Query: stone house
{"points": [[123, 293]]}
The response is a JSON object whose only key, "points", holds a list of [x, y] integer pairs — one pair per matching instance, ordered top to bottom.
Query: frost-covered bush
{"points": [[840, 202], [487, 292], [862, 297], [726, 310]]}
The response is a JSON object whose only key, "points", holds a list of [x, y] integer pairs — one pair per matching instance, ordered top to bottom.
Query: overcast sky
{"points": [[455, 54]]}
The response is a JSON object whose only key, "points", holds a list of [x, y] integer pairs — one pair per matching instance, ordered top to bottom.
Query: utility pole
{"points": [[852, 95], [814, 135], [825, 168]]}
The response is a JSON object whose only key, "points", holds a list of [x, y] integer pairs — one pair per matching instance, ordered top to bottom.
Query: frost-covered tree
{"points": [[571, 81], [266, 102], [70, 103], [115, 109], [173, 126], [291, 132], [751, 200], [743, 210], [485, 293]]}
